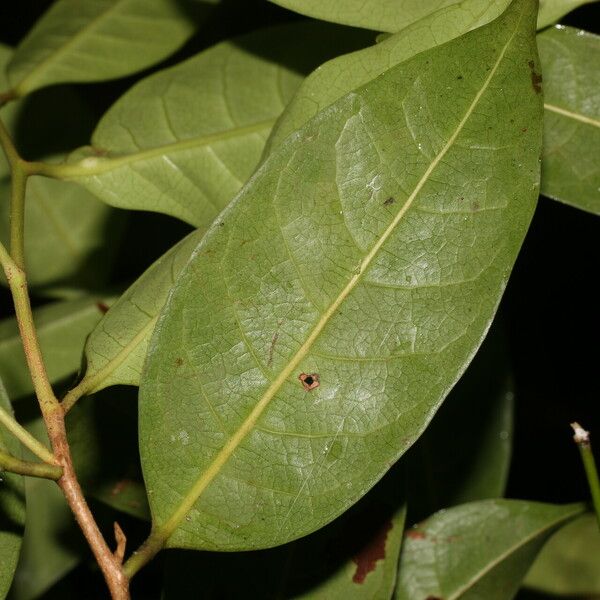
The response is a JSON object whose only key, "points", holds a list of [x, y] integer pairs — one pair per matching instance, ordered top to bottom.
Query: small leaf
{"points": [[395, 15], [93, 40], [184, 140], [570, 168], [369, 253], [62, 328], [116, 349], [481, 407], [12, 507], [52, 544], [477, 550], [355, 557], [569, 564]]}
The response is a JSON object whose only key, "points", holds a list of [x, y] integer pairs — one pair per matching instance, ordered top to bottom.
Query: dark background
{"points": [[551, 308]]}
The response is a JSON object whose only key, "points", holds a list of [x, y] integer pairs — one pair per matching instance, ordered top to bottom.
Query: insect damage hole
{"points": [[310, 381]]}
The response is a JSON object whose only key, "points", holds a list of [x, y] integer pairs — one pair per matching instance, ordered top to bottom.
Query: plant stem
{"points": [[52, 412], [26, 438], [582, 439], [32, 469]]}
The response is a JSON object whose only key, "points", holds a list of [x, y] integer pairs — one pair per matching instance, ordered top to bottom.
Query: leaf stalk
{"points": [[582, 439], [32, 469]]}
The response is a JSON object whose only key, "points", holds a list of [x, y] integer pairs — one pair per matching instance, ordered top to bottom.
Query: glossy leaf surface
{"points": [[395, 15], [92, 40], [184, 140], [570, 168], [364, 258], [62, 329], [116, 349], [12, 506], [477, 550], [355, 557], [569, 564]]}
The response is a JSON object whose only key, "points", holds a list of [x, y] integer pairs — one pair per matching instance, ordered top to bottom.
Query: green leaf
{"points": [[551, 11], [395, 15], [94, 40], [341, 75], [184, 140], [570, 168], [69, 234], [372, 249], [62, 328], [116, 348], [481, 405], [12, 507], [52, 545], [477, 550], [355, 557], [569, 564]]}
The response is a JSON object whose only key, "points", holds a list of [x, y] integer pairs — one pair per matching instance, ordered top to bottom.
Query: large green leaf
{"points": [[394, 15], [92, 40], [183, 141], [570, 168], [372, 249], [62, 328], [116, 349], [477, 468], [12, 507], [477, 550], [354, 557], [569, 564]]}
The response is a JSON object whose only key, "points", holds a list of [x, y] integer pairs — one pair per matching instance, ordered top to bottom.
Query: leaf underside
{"points": [[369, 253]]}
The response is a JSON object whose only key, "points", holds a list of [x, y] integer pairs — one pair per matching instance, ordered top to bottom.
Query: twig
{"points": [[26, 438], [582, 439], [24, 467]]}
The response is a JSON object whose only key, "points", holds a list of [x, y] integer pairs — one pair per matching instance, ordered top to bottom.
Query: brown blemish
{"points": [[459, 77], [536, 78], [98, 151], [389, 201], [475, 206], [103, 308], [272, 348], [179, 361], [310, 381], [119, 487], [415, 534], [366, 559], [434, 598]]}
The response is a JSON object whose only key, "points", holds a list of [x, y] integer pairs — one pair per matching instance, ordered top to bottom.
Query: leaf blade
{"points": [[93, 40], [181, 358], [477, 550]]}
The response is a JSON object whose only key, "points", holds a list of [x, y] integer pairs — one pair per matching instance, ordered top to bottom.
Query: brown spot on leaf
{"points": [[459, 77], [536, 78], [524, 129], [389, 201], [475, 206], [102, 307], [272, 348], [179, 361], [310, 381], [119, 487], [415, 534], [374, 550], [434, 598]]}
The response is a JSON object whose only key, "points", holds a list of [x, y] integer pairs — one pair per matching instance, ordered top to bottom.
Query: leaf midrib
{"points": [[572, 115], [92, 166], [164, 531], [511, 550]]}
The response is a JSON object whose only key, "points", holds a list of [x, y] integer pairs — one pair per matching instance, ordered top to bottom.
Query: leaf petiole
{"points": [[582, 439], [32, 469]]}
